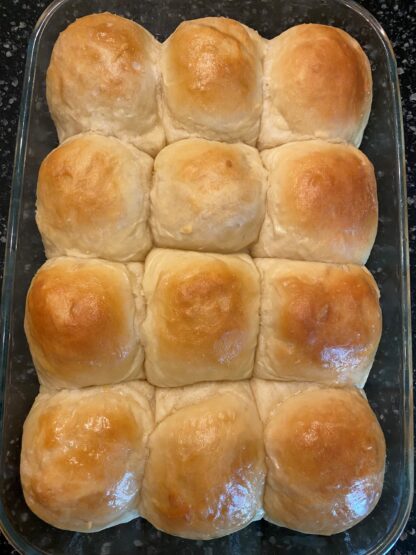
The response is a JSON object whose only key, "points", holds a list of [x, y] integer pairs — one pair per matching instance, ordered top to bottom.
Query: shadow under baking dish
{"points": [[389, 387]]}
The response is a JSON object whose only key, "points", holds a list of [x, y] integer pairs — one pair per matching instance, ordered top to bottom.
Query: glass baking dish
{"points": [[389, 387]]}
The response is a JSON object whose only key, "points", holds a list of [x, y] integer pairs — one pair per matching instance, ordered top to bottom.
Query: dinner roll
{"points": [[103, 77], [211, 80], [317, 84], [207, 196], [92, 199], [321, 204], [202, 317], [82, 322], [319, 322], [83, 455], [325, 456], [205, 474]]}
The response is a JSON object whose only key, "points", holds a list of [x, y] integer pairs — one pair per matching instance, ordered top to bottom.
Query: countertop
{"points": [[17, 19]]}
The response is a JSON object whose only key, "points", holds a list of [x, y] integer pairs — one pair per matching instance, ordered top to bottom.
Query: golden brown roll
{"points": [[103, 77], [211, 79], [317, 84], [207, 196], [93, 199], [321, 204], [202, 317], [82, 322], [319, 322], [83, 455], [325, 456], [205, 474]]}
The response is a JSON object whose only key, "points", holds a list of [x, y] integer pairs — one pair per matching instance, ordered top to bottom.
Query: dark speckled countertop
{"points": [[17, 19]]}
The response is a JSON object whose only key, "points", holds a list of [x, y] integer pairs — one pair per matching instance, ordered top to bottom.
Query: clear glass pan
{"points": [[389, 388]]}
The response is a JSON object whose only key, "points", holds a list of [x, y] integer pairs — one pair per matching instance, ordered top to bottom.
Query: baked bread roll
{"points": [[103, 77], [212, 81], [317, 84], [207, 196], [93, 199], [321, 204], [202, 317], [82, 322], [319, 322], [83, 455], [325, 456], [205, 474]]}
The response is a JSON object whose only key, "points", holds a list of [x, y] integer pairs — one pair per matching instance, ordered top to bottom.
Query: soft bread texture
{"points": [[103, 77], [211, 79], [317, 84], [207, 196], [93, 199], [321, 204], [202, 317], [82, 322], [319, 322], [271, 394], [83, 455], [325, 456], [205, 474]]}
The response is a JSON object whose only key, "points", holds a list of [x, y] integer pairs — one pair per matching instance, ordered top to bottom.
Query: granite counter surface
{"points": [[17, 19]]}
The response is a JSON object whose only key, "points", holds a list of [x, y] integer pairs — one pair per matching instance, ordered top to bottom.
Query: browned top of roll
{"points": [[108, 45], [211, 65], [322, 78], [80, 318], [332, 321], [327, 454], [204, 477]]}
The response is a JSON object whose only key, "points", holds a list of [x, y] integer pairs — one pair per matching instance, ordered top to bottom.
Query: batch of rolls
{"points": [[204, 325]]}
